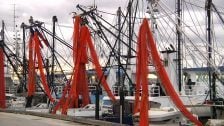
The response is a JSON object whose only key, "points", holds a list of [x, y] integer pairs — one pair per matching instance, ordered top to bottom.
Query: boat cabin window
{"points": [[107, 102]]}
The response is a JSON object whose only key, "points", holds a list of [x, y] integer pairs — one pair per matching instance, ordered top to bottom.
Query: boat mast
{"points": [[209, 2], [54, 19], [129, 28], [130, 34], [209, 35], [179, 42], [24, 56], [120, 82]]}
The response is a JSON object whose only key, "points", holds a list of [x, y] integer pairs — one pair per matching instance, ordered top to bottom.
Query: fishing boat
{"points": [[189, 55]]}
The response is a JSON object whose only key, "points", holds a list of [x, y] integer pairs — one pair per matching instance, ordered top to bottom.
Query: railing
{"points": [[196, 89], [10, 90], [116, 90], [154, 91]]}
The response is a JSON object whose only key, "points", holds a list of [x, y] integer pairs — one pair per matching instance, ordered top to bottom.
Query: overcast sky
{"points": [[43, 10]]}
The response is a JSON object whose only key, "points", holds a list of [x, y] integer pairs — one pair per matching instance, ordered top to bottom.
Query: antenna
{"points": [[94, 3], [14, 17], [16, 35]]}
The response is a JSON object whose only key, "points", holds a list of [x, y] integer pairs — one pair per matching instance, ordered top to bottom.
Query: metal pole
{"points": [[209, 2], [209, 6], [54, 19], [130, 28], [2, 33], [179, 44], [24, 57], [47, 70], [214, 76], [48, 80], [120, 83], [97, 96]]}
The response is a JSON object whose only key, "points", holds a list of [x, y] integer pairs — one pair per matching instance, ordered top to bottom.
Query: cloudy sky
{"points": [[43, 10]]}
